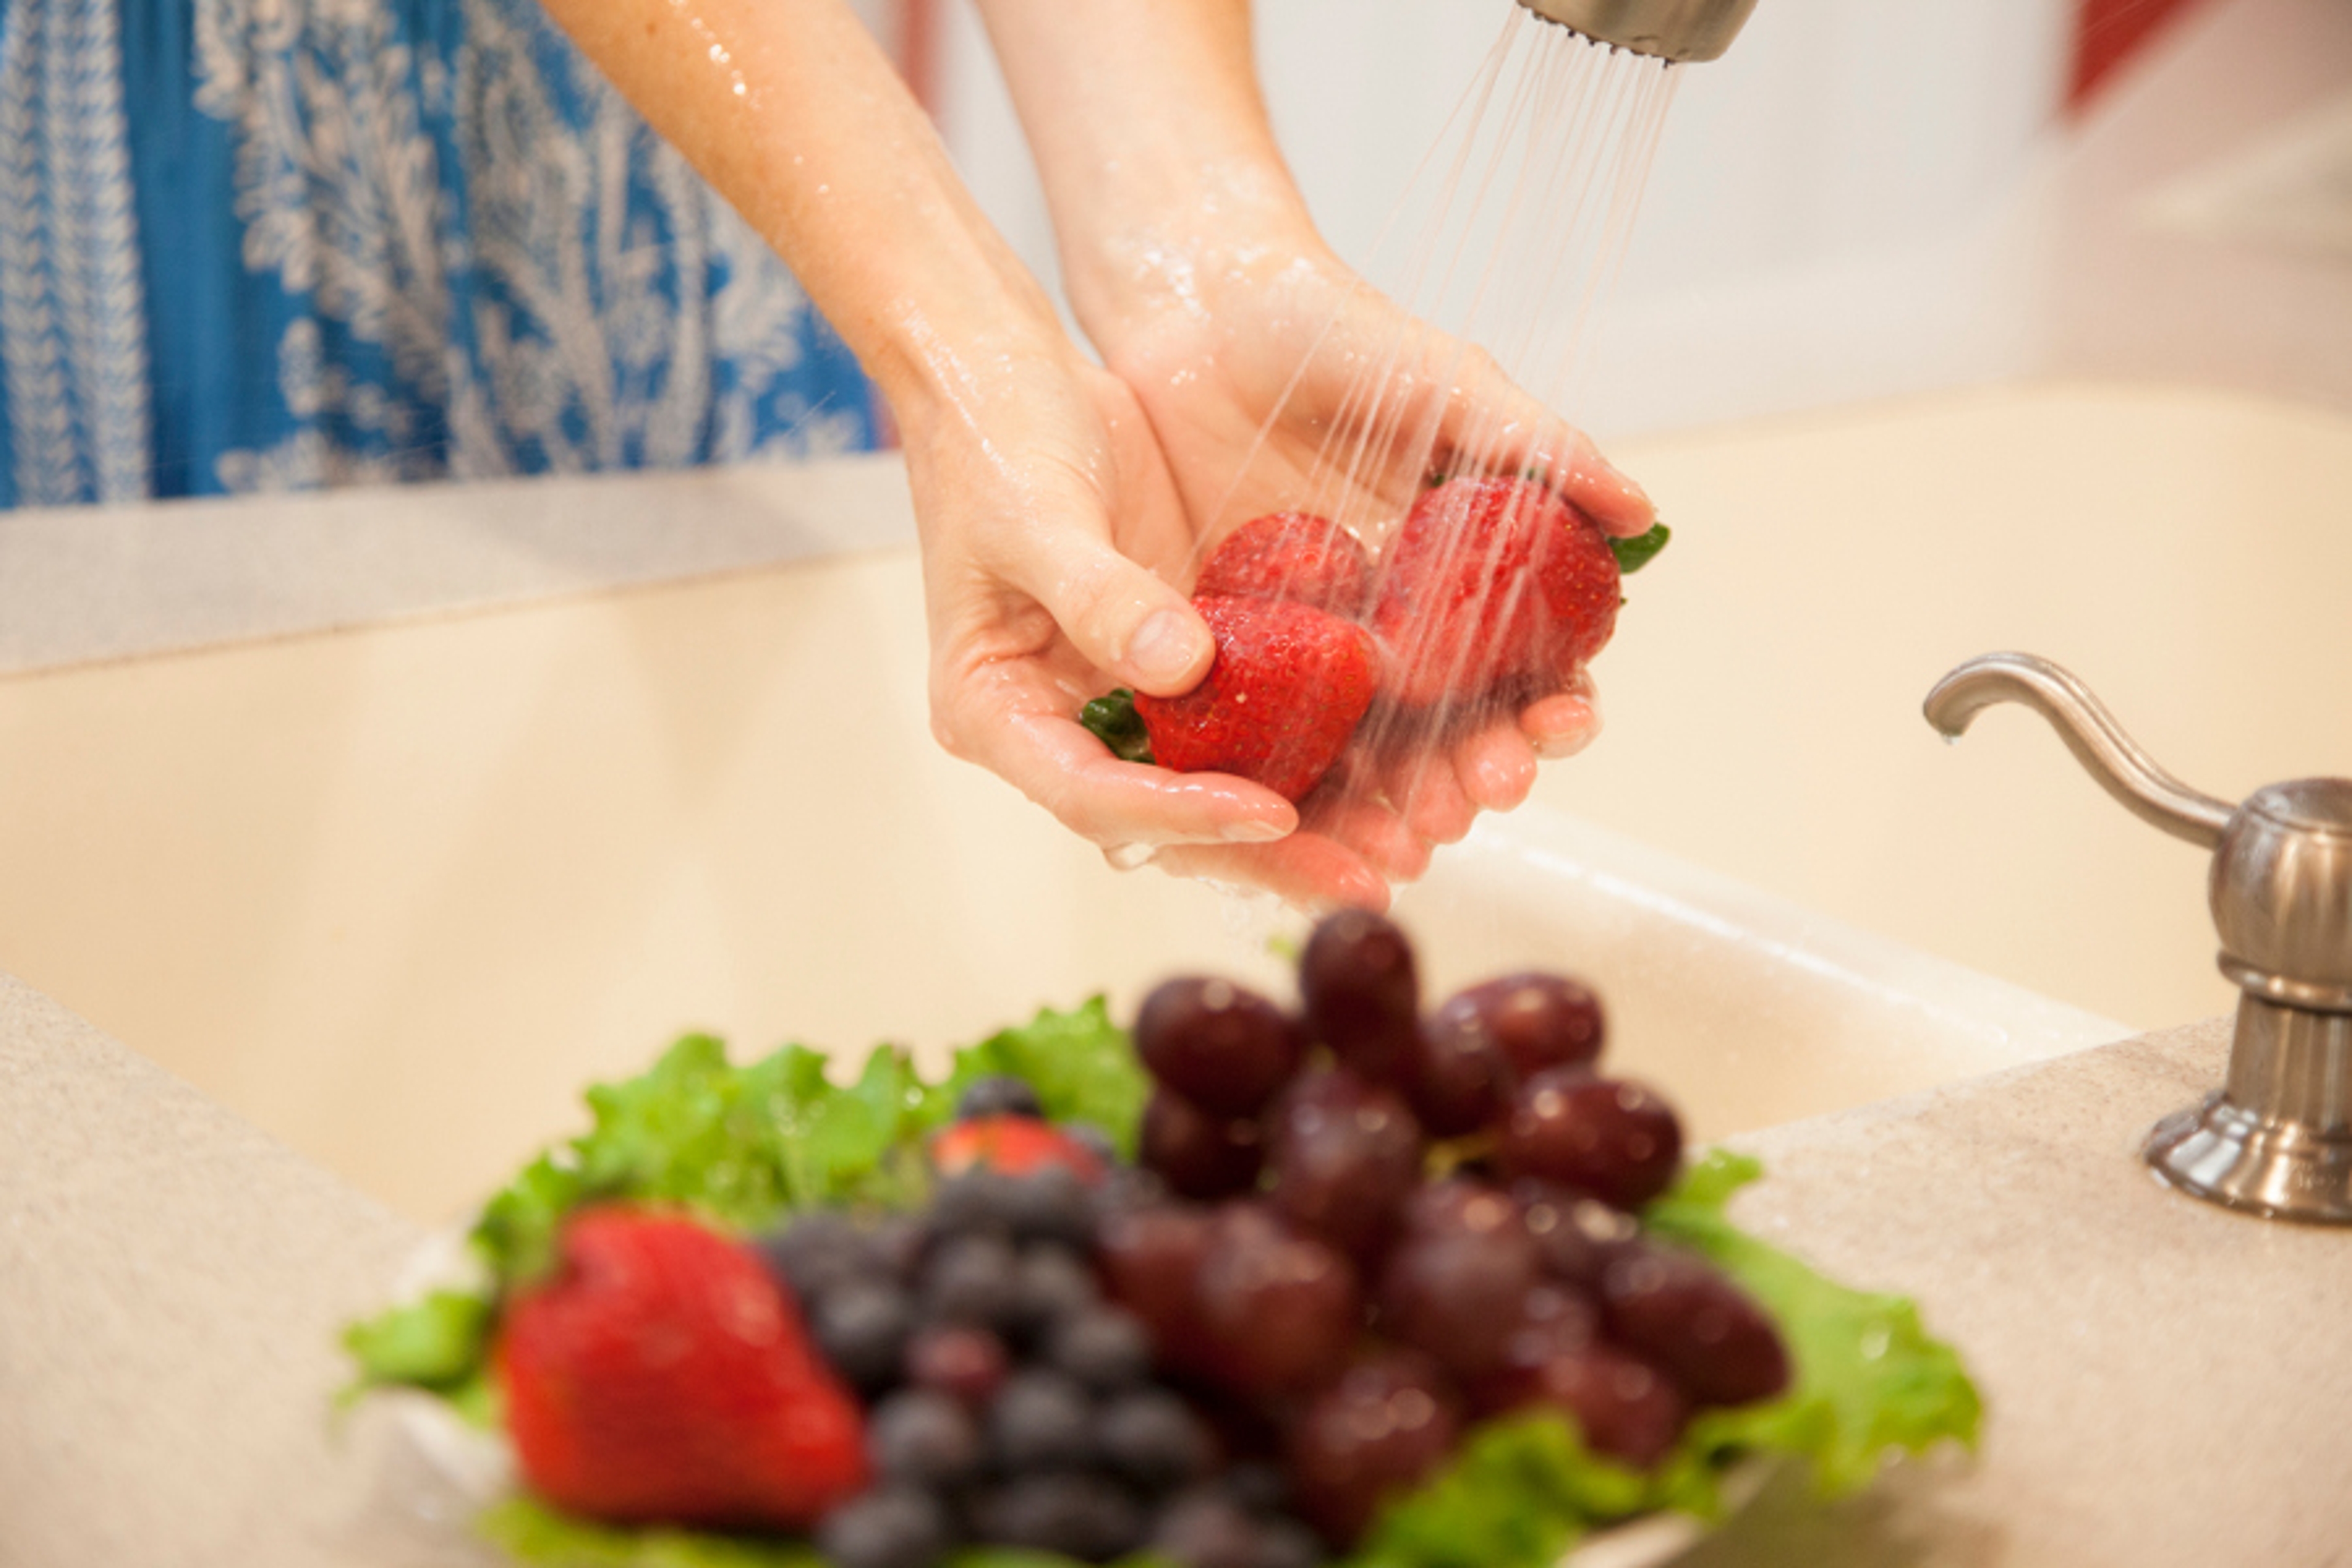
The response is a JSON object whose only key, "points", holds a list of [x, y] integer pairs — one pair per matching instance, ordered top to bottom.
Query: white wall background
{"points": [[1823, 222]]}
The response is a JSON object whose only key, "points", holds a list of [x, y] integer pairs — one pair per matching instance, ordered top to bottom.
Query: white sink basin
{"points": [[396, 894]]}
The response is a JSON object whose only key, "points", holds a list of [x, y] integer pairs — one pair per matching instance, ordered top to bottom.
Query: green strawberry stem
{"points": [[1638, 551], [1114, 721]]}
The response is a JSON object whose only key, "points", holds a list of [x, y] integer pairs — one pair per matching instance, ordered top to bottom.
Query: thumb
{"points": [[1120, 616]]}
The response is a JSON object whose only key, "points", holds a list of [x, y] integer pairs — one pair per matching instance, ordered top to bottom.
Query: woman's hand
{"points": [[1052, 531]]}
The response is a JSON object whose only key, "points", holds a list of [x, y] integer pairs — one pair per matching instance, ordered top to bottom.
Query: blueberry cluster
{"points": [[1008, 1402]]}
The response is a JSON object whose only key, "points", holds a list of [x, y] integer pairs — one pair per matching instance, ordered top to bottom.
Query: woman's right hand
{"points": [[1054, 537]]}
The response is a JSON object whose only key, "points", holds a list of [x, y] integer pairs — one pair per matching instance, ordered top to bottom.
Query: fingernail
{"points": [[1163, 648], [1254, 832]]}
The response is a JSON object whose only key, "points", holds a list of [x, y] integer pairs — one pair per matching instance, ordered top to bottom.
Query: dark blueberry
{"points": [[1000, 1094], [1094, 1140], [974, 1203], [1051, 1204], [899, 1243], [818, 1252], [970, 1279], [1054, 1284], [862, 1327], [1106, 1348], [1040, 1420], [1152, 1438], [924, 1439], [1257, 1485], [1078, 1515], [889, 1527], [1205, 1530], [1287, 1543]]}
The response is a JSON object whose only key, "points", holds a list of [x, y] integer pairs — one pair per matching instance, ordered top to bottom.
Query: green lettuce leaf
{"points": [[742, 1146], [1870, 1380]]}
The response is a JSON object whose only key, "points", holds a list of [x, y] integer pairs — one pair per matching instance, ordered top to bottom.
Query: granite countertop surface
{"points": [[2166, 1381]]}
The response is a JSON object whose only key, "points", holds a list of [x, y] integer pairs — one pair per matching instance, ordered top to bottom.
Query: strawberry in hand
{"points": [[1292, 555], [1494, 591], [1280, 701], [661, 1374]]}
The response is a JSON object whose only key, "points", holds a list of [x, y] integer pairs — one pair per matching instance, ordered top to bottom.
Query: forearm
{"points": [[790, 111], [1151, 137]]}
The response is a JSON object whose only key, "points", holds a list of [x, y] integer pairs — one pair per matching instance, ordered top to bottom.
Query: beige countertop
{"points": [[2164, 1381]]}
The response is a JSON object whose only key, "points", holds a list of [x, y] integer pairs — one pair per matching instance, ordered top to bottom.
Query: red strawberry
{"points": [[1291, 555], [1495, 589], [1278, 704], [1012, 1144], [662, 1375]]}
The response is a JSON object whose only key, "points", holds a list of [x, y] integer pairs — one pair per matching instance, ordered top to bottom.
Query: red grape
{"points": [[1362, 992], [1536, 1021], [1222, 1047], [1458, 1078], [1608, 1137], [1199, 1155], [1346, 1155], [1459, 1203], [1575, 1237], [1150, 1259], [1459, 1294], [1280, 1310], [1681, 1312], [1553, 1320], [1626, 1408], [1380, 1429]]}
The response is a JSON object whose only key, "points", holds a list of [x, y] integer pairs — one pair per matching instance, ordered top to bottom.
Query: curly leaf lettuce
{"points": [[743, 1146]]}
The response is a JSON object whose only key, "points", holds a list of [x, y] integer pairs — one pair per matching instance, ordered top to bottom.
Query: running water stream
{"points": [[1499, 253]]}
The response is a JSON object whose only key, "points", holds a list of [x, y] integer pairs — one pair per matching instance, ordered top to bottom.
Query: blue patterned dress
{"points": [[258, 245]]}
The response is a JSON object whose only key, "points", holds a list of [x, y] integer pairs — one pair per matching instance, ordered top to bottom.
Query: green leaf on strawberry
{"points": [[1638, 551], [1113, 721]]}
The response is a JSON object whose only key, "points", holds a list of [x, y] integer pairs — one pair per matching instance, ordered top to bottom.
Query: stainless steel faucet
{"points": [[1669, 29], [2276, 1138]]}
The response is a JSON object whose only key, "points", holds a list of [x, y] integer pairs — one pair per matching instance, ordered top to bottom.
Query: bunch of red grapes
{"points": [[1380, 1225]]}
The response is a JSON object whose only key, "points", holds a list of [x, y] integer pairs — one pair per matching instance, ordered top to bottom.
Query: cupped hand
{"points": [[1276, 379], [1053, 535]]}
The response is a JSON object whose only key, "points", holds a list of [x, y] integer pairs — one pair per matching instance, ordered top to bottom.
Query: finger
{"points": [[1489, 425], [1119, 615], [1562, 724], [1061, 765], [1495, 766], [1434, 805], [1374, 830], [1307, 869]]}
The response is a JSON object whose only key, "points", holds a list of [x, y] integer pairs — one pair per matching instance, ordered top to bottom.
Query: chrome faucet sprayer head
{"points": [[1668, 29]]}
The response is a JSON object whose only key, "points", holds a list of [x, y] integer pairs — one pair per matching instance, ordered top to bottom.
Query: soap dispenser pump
{"points": [[2276, 1138]]}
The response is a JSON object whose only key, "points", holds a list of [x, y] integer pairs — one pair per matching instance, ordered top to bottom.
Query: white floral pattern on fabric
{"points": [[597, 306], [72, 320]]}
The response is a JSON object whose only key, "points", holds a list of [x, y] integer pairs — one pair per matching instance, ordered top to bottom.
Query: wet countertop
{"points": [[2164, 1381]]}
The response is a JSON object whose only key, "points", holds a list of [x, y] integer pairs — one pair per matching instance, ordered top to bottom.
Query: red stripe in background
{"points": [[2107, 33]]}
